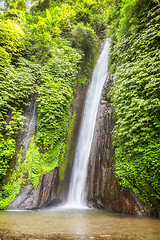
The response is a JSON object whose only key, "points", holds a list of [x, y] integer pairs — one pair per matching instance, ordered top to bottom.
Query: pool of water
{"points": [[72, 224]]}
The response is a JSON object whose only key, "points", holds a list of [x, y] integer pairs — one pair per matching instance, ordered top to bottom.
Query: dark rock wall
{"points": [[103, 189], [31, 198]]}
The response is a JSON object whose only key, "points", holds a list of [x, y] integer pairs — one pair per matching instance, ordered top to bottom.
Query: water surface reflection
{"points": [[76, 224]]}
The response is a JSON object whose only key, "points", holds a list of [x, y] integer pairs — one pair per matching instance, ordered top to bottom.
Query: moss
{"points": [[68, 148]]}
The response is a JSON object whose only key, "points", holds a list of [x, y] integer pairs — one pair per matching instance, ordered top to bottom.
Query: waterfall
{"points": [[29, 4], [29, 127], [30, 130], [76, 194]]}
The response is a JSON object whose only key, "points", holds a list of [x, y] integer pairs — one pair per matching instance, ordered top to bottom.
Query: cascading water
{"points": [[29, 4], [29, 127], [30, 130], [76, 194]]}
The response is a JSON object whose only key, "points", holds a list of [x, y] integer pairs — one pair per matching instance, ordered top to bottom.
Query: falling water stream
{"points": [[30, 126], [77, 194], [64, 223]]}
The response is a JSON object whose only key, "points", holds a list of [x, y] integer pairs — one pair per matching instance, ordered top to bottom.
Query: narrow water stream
{"points": [[30, 128], [77, 194], [76, 224]]}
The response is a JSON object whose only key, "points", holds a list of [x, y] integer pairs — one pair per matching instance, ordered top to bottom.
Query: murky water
{"points": [[76, 224]]}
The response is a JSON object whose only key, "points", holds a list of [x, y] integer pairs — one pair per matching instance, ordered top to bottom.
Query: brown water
{"points": [[76, 224]]}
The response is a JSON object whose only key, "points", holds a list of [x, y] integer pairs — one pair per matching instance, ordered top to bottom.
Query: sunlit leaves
{"points": [[16, 4], [16, 15], [11, 36]]}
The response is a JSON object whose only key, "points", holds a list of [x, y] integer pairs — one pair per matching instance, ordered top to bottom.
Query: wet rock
{"points": [[78, 107], [28, 130], [102, 186], [31, 198]]}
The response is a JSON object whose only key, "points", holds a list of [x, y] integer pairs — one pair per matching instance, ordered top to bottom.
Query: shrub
{"points": [[16, 15], [84, 38]]}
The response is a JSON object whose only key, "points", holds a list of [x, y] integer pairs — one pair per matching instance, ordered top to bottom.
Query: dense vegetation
{"points": [[50, 50], [44, 51], [136, 97]]}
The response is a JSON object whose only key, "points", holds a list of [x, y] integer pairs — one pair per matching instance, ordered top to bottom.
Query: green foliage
{"points": [[16, 4], [92, 12], [130, 12], [16, 15], [123, 16], [62, 17], [113, 17], [11, 36], [84, 38], [4, 58], [17, 85], [55, 97], [136, 97], [68, 148], [7, 151], [35, 164], [16, 180]]}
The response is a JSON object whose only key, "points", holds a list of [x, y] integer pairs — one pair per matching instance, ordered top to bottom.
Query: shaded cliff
{"points": [[103, 188], [52, 189]]}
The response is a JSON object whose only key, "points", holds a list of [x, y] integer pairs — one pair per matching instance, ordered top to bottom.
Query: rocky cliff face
{"points": [[78, 107], [103, 188], [50, 190], [31, 198]]}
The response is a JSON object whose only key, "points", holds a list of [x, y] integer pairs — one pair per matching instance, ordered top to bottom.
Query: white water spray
{"points": [[77, 194]]}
